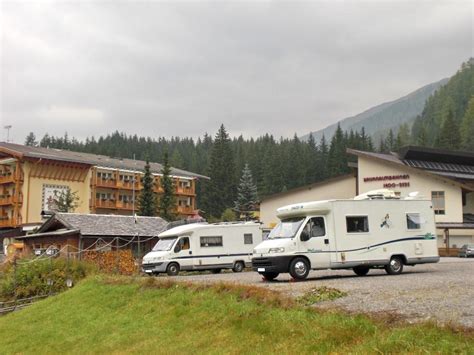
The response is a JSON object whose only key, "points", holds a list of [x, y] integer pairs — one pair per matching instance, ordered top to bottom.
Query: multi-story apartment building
{"points": [[31, 176]]}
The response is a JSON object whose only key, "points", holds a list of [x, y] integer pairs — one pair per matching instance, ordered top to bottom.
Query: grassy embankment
{"points": [[115, 315]]}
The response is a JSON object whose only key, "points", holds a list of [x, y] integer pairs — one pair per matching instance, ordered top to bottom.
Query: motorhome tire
{"points": [[238, 266], [395, 266], [299, 268], [172, 269], [361, 270], [216, 271], [269, 276]]}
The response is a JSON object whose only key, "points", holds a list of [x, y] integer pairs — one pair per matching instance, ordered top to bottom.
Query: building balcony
{"points": [[106, 183], [128, 185], [185, 191], [6, 200], [100, 203], [125, 205], [185, 210], [5, 221]]}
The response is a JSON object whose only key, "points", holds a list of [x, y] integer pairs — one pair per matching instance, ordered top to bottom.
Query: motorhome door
{"points": [[314, 242], [183, 253]]}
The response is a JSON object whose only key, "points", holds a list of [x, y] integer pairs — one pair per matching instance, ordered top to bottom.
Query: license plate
{"points": [[261, 269], [148, 270]]}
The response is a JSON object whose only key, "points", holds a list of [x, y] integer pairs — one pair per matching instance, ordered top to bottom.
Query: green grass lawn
{"points": [[112, 315]]}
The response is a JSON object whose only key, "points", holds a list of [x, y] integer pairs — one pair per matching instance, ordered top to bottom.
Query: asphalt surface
{"points": [[442, 292]]}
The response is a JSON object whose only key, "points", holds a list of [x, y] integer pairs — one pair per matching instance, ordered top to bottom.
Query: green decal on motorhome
{"points": [[429, 236]]}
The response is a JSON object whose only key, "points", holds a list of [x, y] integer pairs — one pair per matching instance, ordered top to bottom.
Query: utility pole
{"points": [[8, 127]]}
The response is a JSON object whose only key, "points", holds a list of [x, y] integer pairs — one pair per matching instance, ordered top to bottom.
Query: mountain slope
{"points": [[389, 115], [447, 121]]}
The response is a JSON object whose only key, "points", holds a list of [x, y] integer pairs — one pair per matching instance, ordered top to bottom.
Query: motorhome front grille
{"points": [[261, 262]]}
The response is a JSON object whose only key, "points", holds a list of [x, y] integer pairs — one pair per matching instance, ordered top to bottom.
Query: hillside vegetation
{"points": [[379, 119], [447, 121], [120, 316]]}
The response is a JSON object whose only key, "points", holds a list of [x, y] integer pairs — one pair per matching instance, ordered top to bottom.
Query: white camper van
{"points": [[375, 230], [203, 246]]}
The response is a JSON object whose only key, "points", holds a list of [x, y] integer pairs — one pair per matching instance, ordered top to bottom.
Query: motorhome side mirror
{"points": [[304, 237], [177, 248]]}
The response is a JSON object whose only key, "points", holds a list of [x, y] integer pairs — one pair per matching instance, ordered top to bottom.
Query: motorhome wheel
{"points": [[238, 266], [395, 266], [299, 268], [173, 269], [361, 270]]}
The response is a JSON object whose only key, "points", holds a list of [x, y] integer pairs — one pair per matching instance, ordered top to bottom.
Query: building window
{"points": [[438, 202], [413, 221], [357, 224], [248, 238], [211, 242]]}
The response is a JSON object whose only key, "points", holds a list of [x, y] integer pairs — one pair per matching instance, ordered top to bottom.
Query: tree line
{"points": [[276, 164]]}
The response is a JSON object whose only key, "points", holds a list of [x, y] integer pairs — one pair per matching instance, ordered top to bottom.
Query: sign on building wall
{"points": [[390, 181], [49, 196]]}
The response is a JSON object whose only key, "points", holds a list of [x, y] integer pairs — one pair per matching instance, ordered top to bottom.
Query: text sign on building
{"points": [[388, 180]]}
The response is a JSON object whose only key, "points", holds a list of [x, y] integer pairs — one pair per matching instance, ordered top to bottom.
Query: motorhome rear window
{"points": [[413, 221], [357, 224], [248, 238], [214, 241]]}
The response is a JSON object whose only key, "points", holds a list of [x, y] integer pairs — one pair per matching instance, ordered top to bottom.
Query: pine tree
{"points": [[467, 127], [449, 136], [31, 140], [390, 141], [337, 162], [220, 192], [247, 197], [147, 198], [167, 201]]}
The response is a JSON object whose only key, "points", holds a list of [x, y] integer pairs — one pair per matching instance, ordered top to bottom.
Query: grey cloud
{"points": [[182, 68]]}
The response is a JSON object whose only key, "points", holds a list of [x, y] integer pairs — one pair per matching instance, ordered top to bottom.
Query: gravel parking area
{"points": [[442, 292]]}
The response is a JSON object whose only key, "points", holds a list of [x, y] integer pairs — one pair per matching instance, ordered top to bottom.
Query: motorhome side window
{"points": [[413, 221], [357, 224], [315, 227], [248, 238], [211, 242], [184, 243]]}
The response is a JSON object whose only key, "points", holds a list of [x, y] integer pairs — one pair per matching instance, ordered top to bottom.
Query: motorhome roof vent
{"points": [[382, 194]]}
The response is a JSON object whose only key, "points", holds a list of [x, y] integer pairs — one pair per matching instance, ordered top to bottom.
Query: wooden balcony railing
{"points": [[106, 182], [128, 185], [184, 190], [10, 200], [100, 203], [125, 205], [185, 210], [9, 222]]}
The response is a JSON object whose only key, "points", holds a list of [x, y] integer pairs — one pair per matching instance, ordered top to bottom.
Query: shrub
{"points": [[31, 277]]}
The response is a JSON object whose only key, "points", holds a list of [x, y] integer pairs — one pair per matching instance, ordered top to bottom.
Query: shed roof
{"points": [[87, 158], [105, 225]]}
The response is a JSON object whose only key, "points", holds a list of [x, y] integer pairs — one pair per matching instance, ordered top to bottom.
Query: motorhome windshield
{"points": [[287, 228], [164, 244]]}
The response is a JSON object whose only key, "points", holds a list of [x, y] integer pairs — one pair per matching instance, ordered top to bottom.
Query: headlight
{"points": [[276, 250], [158, 258]]}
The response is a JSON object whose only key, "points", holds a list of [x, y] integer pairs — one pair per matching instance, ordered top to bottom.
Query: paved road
{"points": [[442, 292]]}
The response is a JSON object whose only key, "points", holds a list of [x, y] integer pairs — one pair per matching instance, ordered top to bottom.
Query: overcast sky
{"points": [[182, 68]]}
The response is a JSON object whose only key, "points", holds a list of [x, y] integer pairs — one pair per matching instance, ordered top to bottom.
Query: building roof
{"points": [[88, 159], [441, 163], [310, 186], [103, 225]]}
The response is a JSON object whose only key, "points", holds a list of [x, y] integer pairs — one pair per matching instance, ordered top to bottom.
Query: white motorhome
{"points": [[376, 230], [203, 246]]}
